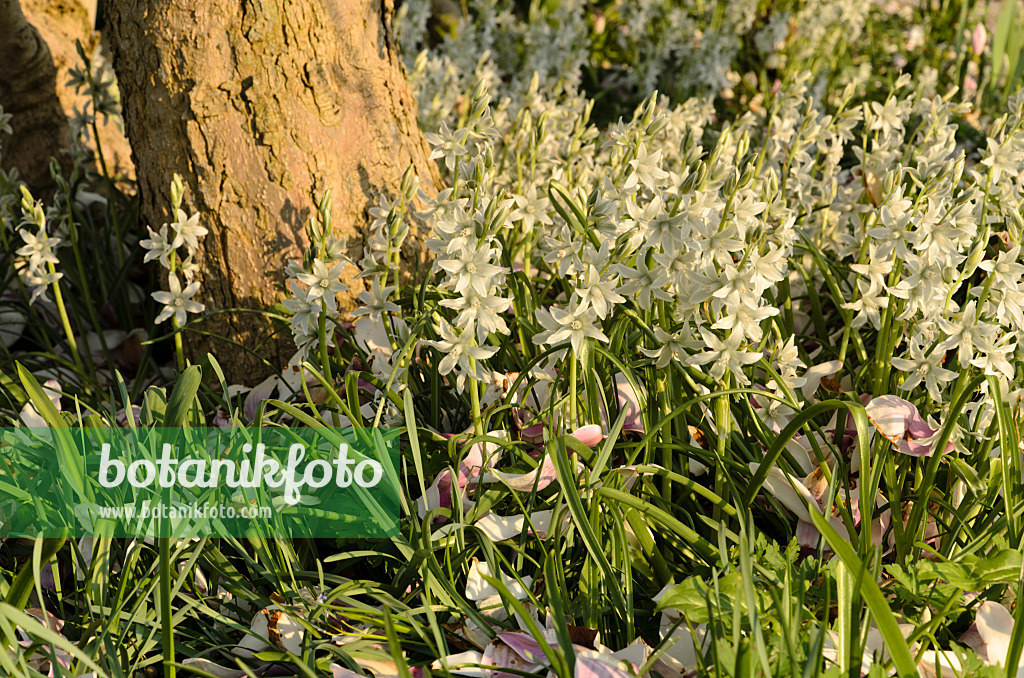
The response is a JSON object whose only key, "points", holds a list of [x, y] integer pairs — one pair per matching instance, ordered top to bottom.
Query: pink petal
{"points": [[257, 395], [629, 400], [891, 416], [222, 419], [533, 434], [589, 435], [914, 449], [481, 455], [438, 495], [807, 534], [525, 645], [502, 653], [589, 667], [342, 672]]}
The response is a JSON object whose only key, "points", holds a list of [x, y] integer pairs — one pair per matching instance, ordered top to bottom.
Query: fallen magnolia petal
{"points": [[12, 325], [371, 335], [814, 375], [259, 393], [629, 400], [30, 416], [901, 424], [589, 435], [480, 457], [539, 478], [789, 491], [438, 495], [499, 528], [477, 589], [271, 628], [467, 630], [990, 635], [515, 650], [874, 650], [680, 651], [636, 653], [945, 661], [462, 664], [592, 664], [214, 669], [338, 671]]}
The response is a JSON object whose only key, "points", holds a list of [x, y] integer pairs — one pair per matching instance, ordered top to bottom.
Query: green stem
{"points": [[62, 310], [179, 349], [325, 359], [474, 396], [574, 417], [166, 616]]}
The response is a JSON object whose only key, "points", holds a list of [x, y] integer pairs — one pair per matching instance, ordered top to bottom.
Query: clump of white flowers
{"points": [[166, 246], [37, 259], [315, 283]]}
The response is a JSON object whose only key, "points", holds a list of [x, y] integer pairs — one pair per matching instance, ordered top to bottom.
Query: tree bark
{"points": [[28, 91], [262, 106]]}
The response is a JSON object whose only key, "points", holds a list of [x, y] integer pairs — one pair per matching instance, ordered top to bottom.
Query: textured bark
{"points": [[60, 24], [28, 91], [262, 105]]}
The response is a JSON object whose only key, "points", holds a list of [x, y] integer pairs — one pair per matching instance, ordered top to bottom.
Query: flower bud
{"points": [[978, 39], [743, 144], [410, 183], [732, 183], [888, 183], [177, 192]]}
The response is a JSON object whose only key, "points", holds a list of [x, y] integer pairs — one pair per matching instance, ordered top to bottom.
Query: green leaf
{"points": [[184, 394], [974, 573], [872, 595]]}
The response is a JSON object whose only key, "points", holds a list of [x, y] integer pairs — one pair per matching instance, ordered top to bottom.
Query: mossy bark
{"points": [[262, 106]]}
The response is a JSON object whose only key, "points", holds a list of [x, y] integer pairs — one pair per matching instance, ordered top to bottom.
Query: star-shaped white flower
{"points": [[177, 302]]}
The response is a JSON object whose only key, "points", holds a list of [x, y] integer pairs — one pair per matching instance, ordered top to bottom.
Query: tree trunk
{"points": [[28, 91], [262, 106]]}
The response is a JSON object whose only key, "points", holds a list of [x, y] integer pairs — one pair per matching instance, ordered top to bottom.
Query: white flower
{"points": [[887, 117], [447, 144], [1002, 157], [646, 169], [531, 209], [187, 231], [38, 248], [472, 269], [1005, 270], [39, 280], [643, 282], [323, 283], [598, 293], [375, 301], [177, 302], [869, 306], [481, 311], [305, 315], [746, 321], [575, 324], [965, 333], [674, 346], [458, 348], [726, 355], [992, 359], [920, 366]]}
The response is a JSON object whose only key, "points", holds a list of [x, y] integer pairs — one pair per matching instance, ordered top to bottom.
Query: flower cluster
{"points": [[164, 246], [314, 283]]}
